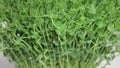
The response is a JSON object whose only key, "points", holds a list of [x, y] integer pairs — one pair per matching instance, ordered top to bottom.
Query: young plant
{"points": [[59, 33]]}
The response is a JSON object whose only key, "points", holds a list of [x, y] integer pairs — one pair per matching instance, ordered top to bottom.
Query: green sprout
{"points": [[58, 33]]}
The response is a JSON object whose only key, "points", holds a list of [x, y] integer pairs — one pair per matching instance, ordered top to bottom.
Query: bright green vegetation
{"points": [[59, 33]]}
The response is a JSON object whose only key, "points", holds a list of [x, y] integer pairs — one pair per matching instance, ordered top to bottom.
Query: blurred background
{"points": [[4, 63]]}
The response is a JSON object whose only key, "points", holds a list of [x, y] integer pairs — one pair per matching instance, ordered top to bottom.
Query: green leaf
{"points": [[92, 9], [101, 25], [117, 26], [111, 27], [60, 28], [118, 48]]}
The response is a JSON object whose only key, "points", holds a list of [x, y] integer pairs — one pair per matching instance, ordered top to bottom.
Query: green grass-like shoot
{"points": [[58, 33]]}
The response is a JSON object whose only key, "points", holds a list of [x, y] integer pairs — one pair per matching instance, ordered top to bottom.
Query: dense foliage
{"points": [[58, 33]]}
